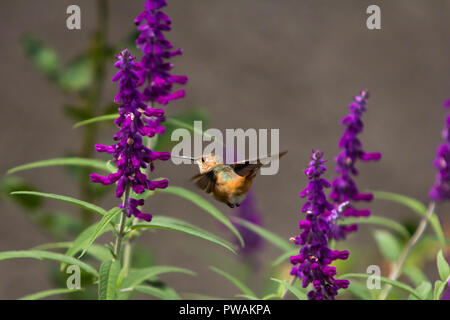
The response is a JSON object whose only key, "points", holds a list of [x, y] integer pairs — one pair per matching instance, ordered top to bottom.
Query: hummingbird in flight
{"points": [[228, 183]]}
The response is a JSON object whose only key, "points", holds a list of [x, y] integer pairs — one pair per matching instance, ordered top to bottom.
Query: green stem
{"points": [[97, 51], [123, 219], [127, 254], [398, 265], [291, 283]]}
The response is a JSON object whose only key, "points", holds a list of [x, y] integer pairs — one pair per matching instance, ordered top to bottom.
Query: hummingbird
{"points": [[228, 183]]}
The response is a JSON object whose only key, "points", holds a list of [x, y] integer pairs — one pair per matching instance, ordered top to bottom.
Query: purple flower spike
{"points": [[154, 70], [129, 154], [343, 187], [441, 188], [312, 264]]}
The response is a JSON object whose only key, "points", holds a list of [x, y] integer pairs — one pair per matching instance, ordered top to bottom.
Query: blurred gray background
{"points": [[289, 64]]}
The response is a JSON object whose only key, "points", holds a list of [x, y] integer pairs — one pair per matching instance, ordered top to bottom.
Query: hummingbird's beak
{"points": [[183, 157]]}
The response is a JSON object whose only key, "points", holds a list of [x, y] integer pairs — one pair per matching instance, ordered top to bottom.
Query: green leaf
{"points": [[43, 57], [78, 74], [107, 117], [169, 120], [80, 162], [111, 167], [10, 184], [144, 195], [82, 204], [203, 204], [413, 204], [416, 206], [380, 221], [168, 223], [101, 228], [266, 234], [434, 238], [82, 241], [53, 245], [388, 245], [99, 252], [38, 254], [284, 257], [443, 267], [414, 274], [108, 275], [137, 276], [393, 283], [439, 287], [424, 289], [246, 290], [360, 290], [295, 291], [48, 293], [165, 293], [197, 296], [270, 296], [246, 297]]}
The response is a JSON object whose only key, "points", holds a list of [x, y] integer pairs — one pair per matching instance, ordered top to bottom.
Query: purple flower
{"points": [[154, 70], [129, 153], [344, 187], [441, 188], [247, 211], [312, 264], [446, 295]]}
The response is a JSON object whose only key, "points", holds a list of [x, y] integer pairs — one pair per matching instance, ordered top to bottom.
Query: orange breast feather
{"points": [[227, 186]]}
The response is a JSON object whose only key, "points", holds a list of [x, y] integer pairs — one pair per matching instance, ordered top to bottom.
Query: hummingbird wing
{"points": [[250, 167], [205, 181]]}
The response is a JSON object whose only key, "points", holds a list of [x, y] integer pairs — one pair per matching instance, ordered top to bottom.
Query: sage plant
{"points": [[154, 68], [129, 153], [344, 188], [441, 188], [438, 193], [313, 263], [108, 274]]}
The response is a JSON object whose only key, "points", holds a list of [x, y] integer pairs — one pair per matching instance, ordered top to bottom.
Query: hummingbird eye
{"points": [[203, 159]]}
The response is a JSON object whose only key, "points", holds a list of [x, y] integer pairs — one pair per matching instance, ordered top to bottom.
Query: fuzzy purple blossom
{"points": [[154, 69], [129, 153], [344, 187], [441, 188], [313, 263]]}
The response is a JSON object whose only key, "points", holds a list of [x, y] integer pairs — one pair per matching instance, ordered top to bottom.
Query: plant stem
{"points": [[97, 52], [123, 219], [127, 254], [126, 257], [398, 265], [286, 290]]}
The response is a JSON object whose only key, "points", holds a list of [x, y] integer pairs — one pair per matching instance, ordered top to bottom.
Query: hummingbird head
{"points": [[207, 161]]}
